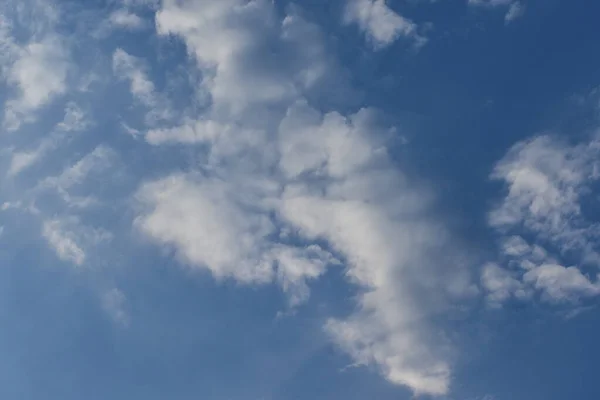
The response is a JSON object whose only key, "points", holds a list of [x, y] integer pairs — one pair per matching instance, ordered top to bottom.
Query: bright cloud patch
{"points": [[380, 23], [38, 74], [273, 187], [544, 223]]}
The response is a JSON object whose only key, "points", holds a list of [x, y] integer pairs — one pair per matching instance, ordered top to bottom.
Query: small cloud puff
{"points": [[541, 220]]}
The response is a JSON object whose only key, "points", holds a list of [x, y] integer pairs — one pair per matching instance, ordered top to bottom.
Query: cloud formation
{"points": [[515, 8], [380, 23], [34, 66], [280, 177], [254, 180], [543, 222]]}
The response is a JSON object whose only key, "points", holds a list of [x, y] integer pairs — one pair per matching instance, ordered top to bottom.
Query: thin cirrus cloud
{"points": [[126, 20], [74, 120]]}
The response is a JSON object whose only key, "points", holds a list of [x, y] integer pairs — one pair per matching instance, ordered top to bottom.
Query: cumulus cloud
{"points": [[122, 19], [380, 23], [39, 73], [97, 159], [280, 179], [547, 181], [542, 220], [562, 283], [114, 304]]}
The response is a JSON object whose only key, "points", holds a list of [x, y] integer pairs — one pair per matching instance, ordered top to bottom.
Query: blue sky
{"points": [[288, 200]]}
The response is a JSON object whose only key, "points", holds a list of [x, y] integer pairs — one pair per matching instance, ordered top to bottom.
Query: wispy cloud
{"points": [[380, 23], [133, 70], [70, 239], [63, 241]]}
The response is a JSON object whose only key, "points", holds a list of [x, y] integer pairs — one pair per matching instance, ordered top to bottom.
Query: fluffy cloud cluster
{"points": [[284, 190], [548, 238]]}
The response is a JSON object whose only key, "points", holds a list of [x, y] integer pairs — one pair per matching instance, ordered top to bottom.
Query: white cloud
{"points": [[490, 3], [151, 4], [515, 9], [122, 19], [126, 20], [380, 23], [248, 57], [132, 69], [39, 73], [74, 120], [199, 131], [24, 159], [97, 161], [280, 173], [547, 181], [371, 214], [541, 220], [216, 225], [208, 227], [71, 240], [63, 241], [562, 284], [501, 285]]}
